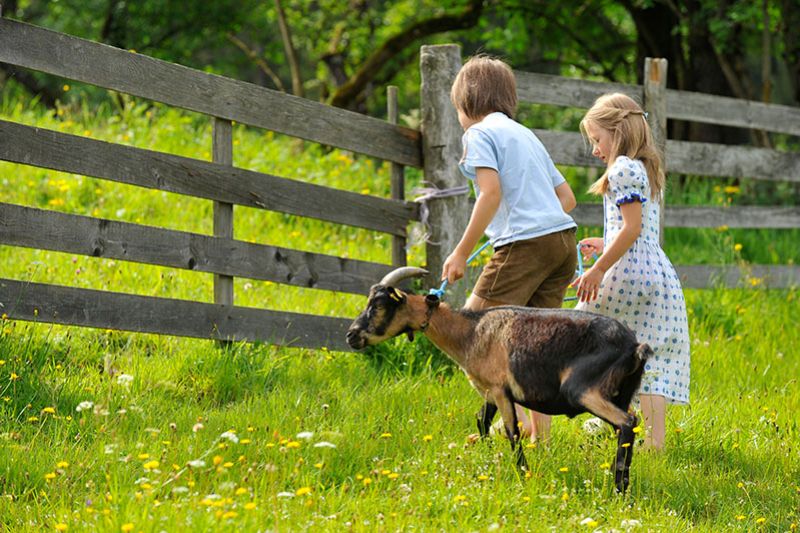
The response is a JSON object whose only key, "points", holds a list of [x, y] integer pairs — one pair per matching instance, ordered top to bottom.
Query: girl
{"points": [[633, 280]]}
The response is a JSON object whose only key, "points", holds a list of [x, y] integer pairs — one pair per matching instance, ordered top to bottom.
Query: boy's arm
{"points": [[566, 197], [482, 214]]}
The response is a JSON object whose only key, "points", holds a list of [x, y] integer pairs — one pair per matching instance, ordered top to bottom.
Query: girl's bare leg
{"points": [[654, 409]]}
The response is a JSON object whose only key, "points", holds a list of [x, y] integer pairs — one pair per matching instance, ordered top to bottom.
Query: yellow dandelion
{"points": [[65, 87], [732, 189], [737, 247], [14, 376], [49, 411], [33, 419], [637, 429], [386, 435], [427, 438], [245, 441], [293, 444], [626, 445], [143, 456], [217, 460], [62, 464], [227, 464], [151, 465], [563, 469], [50, 475], [393, 475], [483, 477], [367, 481], [740, 485], [146, 486], [241, 490], [302, 491], [564, 497], [459, 498], [250, 506], [230, 514], [740, 517], [761, 520], [61, 527], [127, 527]]}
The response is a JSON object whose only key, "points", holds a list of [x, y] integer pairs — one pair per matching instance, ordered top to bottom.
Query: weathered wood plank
{"points": [[47, 51], [573, 92], [681, 105], [726, 111], [222, 154], [705, 159], [709, 159], [157, 170], [49, 230], [767, 276], [99, 309]]}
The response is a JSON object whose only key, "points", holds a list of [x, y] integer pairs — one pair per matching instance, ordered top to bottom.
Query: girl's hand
{"points": [[591, 246], [454, 267], [588, 284]]}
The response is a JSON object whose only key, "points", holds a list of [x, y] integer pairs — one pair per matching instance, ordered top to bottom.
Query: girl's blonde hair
{"points": [[485, 85], [621, 116]]}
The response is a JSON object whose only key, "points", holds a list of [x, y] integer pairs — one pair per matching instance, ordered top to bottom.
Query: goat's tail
{"points": [[643, 352]]}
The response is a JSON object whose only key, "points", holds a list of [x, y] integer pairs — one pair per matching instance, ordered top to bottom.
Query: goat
{"points": [[556, 361]]}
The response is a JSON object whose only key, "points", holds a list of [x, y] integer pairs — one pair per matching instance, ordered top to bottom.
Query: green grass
{"points": [[183, 435]]}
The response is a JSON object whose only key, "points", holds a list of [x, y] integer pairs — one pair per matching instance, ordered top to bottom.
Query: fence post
{"points": [[655, 104], [441, 150], [222, 153], [398, 181]]}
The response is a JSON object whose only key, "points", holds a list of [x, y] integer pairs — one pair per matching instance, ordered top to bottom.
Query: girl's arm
{"points": [[566, 197], [482, 214], [589, 283]]}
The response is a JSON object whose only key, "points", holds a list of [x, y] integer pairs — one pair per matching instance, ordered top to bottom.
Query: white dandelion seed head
{"points": [[229, 435]]}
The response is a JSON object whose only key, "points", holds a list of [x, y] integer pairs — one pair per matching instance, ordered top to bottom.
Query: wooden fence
{"points": [[440, 63], [226, 100], [436, 149]]}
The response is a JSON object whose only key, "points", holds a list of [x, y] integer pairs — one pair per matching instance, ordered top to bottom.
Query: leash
{"points": [[439, 293]]}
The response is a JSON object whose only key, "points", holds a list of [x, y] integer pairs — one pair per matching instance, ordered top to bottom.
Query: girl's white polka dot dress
{"points": [[642, 289]]}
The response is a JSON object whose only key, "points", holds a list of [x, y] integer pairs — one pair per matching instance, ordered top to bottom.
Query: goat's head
{"points": [[391, 311]]}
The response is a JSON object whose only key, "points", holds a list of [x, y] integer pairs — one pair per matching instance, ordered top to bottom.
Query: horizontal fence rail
{"points": [[77, 59], [681, 105], [157, 170], [752, 217], [94, 237], [55, 304]]}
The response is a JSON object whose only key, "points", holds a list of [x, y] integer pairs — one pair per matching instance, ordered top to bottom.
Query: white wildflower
{"points": [[124, 379], [84, 406], [305, 435], [324, 444], [196, 463], [180, 490], [286, 495], [631, 523]]}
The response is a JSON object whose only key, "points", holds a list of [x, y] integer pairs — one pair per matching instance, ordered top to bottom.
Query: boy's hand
{"points": [[590, 247], [454, 267]]}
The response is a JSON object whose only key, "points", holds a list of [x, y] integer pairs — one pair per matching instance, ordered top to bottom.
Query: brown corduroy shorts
{"points": [[533, 272]]}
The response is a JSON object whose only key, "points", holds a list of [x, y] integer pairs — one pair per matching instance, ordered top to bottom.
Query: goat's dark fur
{"points": [[556, 361]]}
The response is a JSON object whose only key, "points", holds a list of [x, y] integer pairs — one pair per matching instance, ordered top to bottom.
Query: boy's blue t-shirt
{"points": [[529, 206]]}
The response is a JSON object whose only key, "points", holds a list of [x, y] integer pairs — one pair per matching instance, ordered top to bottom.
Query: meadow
{"points": [[114, 431]]}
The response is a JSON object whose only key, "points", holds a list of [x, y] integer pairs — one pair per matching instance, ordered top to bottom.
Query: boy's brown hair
{"points": [[485, 85]]}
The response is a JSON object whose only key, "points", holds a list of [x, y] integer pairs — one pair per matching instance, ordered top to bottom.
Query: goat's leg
{"points": [[597, 404], [506, 406], [485, 417]]}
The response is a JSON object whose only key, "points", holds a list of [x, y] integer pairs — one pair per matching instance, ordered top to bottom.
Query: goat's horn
{"points": [[396, 276]]}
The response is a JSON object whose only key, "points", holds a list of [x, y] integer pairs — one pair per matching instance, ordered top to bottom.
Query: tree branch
{"points": [[291, 52], [253, 56], [346, 94]]}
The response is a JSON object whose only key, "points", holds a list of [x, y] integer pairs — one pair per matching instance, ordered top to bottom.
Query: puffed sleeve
{"points": [[627, 181]]}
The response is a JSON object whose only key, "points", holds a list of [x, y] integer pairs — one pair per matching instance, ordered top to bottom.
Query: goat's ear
{"points": [[432, 300]]}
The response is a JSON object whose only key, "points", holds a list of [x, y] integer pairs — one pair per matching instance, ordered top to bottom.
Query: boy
{"points": [[521, 204]]}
